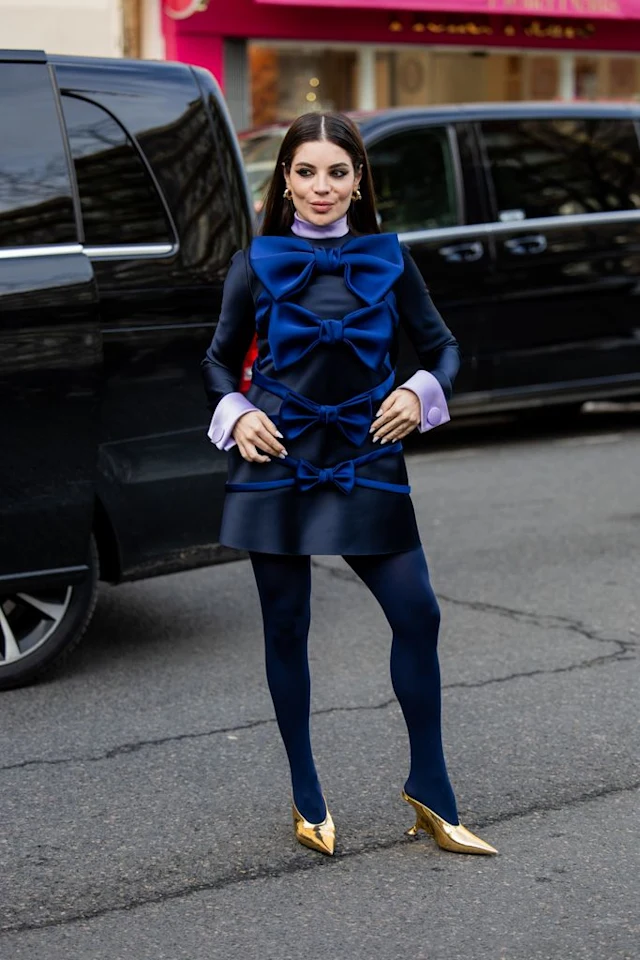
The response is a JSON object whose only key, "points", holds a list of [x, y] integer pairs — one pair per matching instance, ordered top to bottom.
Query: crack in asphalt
{"points": [[552, 621], [621, 653], [300, 866]]}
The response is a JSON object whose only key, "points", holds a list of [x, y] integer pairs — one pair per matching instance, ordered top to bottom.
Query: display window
{"points": [[287, 79]]}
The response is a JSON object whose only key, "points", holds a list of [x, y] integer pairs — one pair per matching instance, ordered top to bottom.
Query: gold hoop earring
{"points": [[287, 194], [356, 195]]}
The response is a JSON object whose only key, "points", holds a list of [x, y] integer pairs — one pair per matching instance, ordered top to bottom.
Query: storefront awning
{"points": [[585, 9]]}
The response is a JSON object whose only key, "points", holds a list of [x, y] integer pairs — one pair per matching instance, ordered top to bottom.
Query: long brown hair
{"points": [[338, 129]]}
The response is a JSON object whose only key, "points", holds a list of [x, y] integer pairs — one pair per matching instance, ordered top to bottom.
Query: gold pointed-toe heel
{"points": [[317, 836], [448, 836]]}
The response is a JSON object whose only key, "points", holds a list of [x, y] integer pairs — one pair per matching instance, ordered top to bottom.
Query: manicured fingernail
{"points": [[378, 413], [279, 435], [382, 441]]}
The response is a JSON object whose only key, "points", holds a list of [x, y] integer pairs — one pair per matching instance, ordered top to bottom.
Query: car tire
{"points": [[40, 628]]}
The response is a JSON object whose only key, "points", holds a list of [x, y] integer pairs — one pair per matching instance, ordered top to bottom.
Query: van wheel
{"points": [[39, 628]]}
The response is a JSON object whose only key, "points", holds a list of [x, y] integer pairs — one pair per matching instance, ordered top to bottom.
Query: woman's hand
{"points": [[398, 416], [253, 432]]}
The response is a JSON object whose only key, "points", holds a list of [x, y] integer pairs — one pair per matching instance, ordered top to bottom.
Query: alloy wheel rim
{"points": [[28, 619]]}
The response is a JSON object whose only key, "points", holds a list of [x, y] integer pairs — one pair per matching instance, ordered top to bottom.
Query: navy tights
{"points": [[400, 584]]}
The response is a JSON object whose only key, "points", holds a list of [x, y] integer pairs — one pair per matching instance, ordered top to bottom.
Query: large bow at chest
{"points": [[371, 264], [294, 331], [353, 417], [343, 476]]}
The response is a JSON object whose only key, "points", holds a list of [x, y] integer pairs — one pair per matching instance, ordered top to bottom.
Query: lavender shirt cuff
{"points": [[433, 403], [226, 415]]}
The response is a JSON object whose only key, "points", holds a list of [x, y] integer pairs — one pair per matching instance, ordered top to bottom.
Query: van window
{"points": [[564, 166], [414, 179], [120, 204], [36, 205]]}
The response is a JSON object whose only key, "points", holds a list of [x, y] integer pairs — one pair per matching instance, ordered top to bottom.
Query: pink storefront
{"points": [[277, 58]]}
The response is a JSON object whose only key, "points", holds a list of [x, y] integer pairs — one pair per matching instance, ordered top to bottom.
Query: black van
{"points": [[122, 200], [524, 219]]}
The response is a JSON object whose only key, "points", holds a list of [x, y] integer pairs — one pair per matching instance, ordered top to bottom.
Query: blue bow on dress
{"points": [[371, 264], [294, 330], [297, 413], [353, 417], [343, 476]]}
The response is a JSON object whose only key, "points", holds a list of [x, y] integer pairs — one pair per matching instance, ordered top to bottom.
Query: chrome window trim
{"points": [[535, 223], [52, 250], [130, 250], [121, 251]]}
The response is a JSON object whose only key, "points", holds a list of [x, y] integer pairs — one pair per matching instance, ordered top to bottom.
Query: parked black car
{"points": [[122, 200], [525, 222]]}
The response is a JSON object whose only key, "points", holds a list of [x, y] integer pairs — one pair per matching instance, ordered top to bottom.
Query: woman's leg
{"points": [[400, 583], [284, 585]]}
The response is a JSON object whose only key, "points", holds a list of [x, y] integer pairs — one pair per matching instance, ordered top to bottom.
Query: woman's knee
{"points": [[418, 614], [287, 629]]}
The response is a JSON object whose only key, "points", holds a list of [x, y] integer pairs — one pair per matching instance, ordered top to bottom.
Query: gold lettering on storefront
{"points": [[450, 27], [467, 29], [537, 29], [559, 31]]}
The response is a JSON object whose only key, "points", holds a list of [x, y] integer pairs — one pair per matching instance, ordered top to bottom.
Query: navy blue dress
{"points": [[327, 314]]}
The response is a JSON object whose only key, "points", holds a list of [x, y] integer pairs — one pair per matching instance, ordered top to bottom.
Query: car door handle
{"points": [[533, 243], [462, 252]]}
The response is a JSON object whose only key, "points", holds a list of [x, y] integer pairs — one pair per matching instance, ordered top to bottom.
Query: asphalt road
{"points": [[144, 798]]}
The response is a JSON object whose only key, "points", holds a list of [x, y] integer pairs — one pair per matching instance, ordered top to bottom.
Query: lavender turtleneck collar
{"points": [[323, 231]]}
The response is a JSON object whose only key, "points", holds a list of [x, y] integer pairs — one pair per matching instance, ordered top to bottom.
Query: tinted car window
{"points": [[260, 153], [550, 168], [413, 174], [36, 204], [120, 204]]}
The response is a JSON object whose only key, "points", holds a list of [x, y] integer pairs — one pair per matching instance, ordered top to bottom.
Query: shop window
{"points": [[544, 78], [622, 78], [288, 81], [550, 168], [414, 178], [120, 204]]}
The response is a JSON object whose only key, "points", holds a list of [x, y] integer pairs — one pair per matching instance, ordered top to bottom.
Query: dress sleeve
{"points": [[435, 345], [222, 364]]}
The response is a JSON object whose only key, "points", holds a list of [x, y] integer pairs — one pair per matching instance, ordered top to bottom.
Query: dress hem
{"points": [[322, 553]]}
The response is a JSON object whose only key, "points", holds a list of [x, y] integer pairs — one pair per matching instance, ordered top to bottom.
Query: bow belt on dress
{"points": [[294, 331], [297, 413], [343, 475]]}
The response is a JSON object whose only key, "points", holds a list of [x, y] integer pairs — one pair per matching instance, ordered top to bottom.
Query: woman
{"points": [[315, 462]]}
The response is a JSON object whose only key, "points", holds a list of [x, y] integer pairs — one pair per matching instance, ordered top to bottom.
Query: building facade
{"points": [[91, 27], [94, 28], [278, 58]]}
